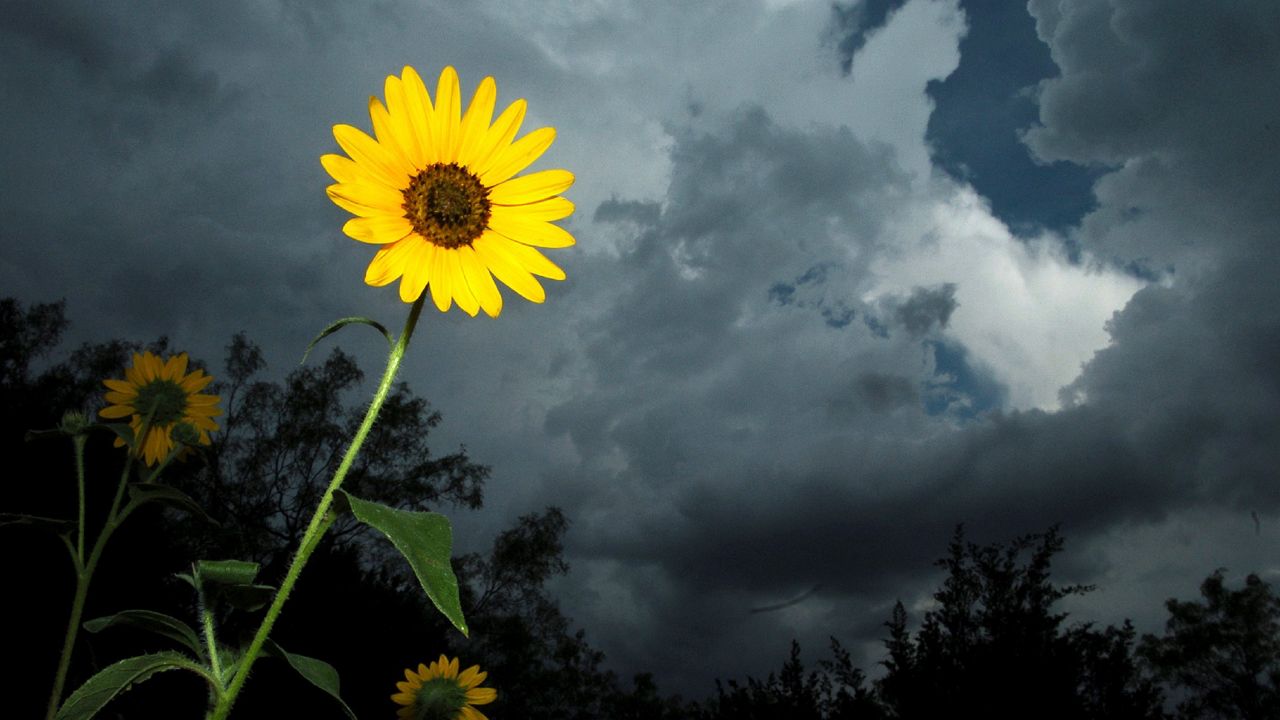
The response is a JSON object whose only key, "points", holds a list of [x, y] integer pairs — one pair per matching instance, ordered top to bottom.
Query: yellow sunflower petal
{"points": [[421, 114], [447, 118], [402, 120], [476, 120], [385, 132], [499, 136], [518, 156], [372, 157], [341, 168], [531, 188], [366, 199], [556, 208], [514, 226], [378, 230], [529, 259], [390, 262], [416, 269], [507, 270], [480, 281], [458, 282], [441, 291], [148, 365], [176, 368], [195, 382], [121, 386], [194, 400], [113, 412], [453, 669], [413, 677], [466, 679], [481, 696], [403, 698], [404, 713], [469, 713]]}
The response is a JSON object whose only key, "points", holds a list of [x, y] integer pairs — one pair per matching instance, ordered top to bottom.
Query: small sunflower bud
{"points": [[74, 423]]}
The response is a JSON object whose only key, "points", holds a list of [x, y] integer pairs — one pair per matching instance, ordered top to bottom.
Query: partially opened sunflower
{"points": [[436, 189]]}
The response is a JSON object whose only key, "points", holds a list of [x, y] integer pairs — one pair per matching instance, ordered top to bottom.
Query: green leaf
{"points": [[337, 325], [35, 435], [142, 493], [57, 525], [426, 541], [226, 572], [155, 622], [317, 672], [115, 679]]}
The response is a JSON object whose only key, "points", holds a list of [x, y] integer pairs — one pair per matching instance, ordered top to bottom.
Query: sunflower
{"points": [[436, 190], [165, 391], [438, 692]]}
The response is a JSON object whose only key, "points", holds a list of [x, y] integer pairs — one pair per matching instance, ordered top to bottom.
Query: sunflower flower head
{"points": [[436, 189], [164, 392], [439, 692]]}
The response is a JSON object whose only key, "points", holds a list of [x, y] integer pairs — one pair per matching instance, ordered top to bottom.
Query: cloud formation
{"points": [[796, 345]]}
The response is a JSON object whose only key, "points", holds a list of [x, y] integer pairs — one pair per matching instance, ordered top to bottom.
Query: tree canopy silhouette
{"points": [[1222, 654]]}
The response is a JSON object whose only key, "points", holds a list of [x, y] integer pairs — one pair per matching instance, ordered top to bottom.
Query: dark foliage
{"points": [[992, 646], [995, 647], [1222, 655], [836, 691]]}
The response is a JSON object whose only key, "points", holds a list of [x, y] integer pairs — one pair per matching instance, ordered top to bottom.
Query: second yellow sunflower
{"points": [[437, 190]]}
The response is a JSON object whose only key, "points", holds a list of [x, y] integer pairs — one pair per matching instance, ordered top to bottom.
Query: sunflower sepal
{"points": [[337, 325], [123, 432], [426, 541], [231, 581], [317, 672]]}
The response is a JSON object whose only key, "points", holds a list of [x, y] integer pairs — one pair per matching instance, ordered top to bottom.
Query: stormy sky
{"points": [[847, 275]]}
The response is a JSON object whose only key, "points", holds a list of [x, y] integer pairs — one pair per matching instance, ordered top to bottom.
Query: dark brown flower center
{"points": [[447, 205]]}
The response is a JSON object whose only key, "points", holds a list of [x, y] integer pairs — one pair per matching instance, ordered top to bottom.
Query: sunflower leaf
{"points": [[337, 325], [141, 493], [57, 525], [426, 541], [155, 622], [317, 672], [100, 689]]}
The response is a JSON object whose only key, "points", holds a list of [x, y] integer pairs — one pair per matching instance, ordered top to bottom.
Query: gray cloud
{"points": [[726, 417]]}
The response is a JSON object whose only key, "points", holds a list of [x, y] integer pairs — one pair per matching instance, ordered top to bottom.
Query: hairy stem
{"points": [[322, 518]]}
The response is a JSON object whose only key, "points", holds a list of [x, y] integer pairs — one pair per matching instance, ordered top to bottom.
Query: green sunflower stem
{"points": [[321, 520], [84, 575]]}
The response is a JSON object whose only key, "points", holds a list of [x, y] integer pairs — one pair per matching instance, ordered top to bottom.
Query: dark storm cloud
{"points": [[1186, 100], [980, 110], [785, 471]]}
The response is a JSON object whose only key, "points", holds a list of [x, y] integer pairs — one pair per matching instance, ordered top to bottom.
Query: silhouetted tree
{"points": [[281, 442], [356, 606], [994, 647], [1222, 655], [835, 692]]}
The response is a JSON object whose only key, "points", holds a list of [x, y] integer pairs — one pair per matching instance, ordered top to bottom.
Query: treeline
{"points": [[992, 644]]}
